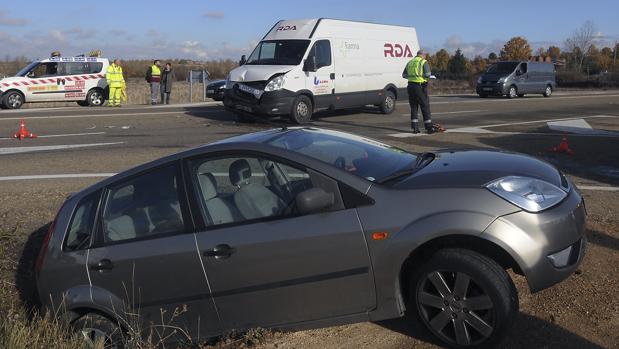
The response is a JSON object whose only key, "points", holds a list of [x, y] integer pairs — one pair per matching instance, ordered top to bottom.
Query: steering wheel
{"points": [[340, 162]]}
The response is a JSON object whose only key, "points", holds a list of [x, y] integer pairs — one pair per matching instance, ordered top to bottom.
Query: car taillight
{"points": [[44, 246]]}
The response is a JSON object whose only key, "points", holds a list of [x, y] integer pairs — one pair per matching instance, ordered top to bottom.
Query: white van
{"points": [[301, 66], [57, 79]]}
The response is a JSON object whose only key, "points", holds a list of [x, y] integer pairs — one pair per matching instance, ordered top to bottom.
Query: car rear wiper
{"points": [[422, 160]]}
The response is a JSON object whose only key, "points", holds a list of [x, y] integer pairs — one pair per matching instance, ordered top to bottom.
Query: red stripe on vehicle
{"points": [[101, 76], [93, 77], [68, 78], [77, 78], [51, 80], [42, 81], [35, 82], [25, 83], [16, 84], [6, 85]]}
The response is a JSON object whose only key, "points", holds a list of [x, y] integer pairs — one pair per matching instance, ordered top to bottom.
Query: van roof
{"points": [[306, 28], [74, 59]]}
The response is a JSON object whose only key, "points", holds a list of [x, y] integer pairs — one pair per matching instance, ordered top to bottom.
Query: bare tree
{"points": [[580, 42]]}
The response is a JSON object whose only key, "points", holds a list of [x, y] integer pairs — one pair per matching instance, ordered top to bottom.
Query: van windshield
{"points": [[279, 52], [502, 68], [26, 69]]}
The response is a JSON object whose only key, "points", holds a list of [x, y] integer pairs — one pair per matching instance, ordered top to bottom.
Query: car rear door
{"points": [[146, 255], [278, 268]]}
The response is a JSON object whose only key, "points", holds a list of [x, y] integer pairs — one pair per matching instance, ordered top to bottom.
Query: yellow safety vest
{"points": [[414, 70], [155, 71], [114, 76]]}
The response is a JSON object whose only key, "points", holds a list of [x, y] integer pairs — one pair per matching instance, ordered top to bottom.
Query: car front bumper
{"points": [[491, 89], [270, 103], [547, 246]]}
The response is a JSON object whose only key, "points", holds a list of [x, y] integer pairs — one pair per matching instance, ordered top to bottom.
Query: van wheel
{"points": [[548, 91], [512, 92], [520, 95], [95, 98], [13, 100], [388, 105], [301, 110], [463, 298], [97, 330]]}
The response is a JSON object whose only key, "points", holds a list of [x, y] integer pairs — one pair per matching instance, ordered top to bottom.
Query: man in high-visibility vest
{"points": [[417, 71], [153, 77], [115, 81]]}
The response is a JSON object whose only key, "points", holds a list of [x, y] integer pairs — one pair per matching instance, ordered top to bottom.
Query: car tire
{"points": [[548, 91], [512, 92], [483, 95], [520, 95], [95, 98], [13, 100], [388, 105], [301, 110], [473, 316], [94, 328]]}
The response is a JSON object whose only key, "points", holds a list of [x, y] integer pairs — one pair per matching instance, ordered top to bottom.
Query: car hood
{"points": [[258, 72], [476, 168]]}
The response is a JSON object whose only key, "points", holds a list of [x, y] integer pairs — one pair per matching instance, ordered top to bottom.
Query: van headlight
{"points": [[480, 80], [502, 80], [277, 83], [530, 194]]}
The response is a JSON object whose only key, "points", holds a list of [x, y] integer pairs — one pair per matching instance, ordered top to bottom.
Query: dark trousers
{"points": [[165, 97], [418, 99]]}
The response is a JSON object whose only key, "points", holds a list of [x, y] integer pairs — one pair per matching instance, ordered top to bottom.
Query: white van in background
{"points": [[301, 66], [57, 79]]}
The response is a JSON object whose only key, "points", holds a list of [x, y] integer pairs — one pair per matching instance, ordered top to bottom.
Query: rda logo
{"points": [[286, 27], [397, 50], [318, 81]]}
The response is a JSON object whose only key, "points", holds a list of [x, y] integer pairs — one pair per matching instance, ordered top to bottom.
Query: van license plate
{"points": [[487, 88], [210, 91]]}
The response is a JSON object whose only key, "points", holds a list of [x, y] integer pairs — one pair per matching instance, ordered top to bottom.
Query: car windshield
{"points": [[279, 52], [502, 67], [26, 69], [361, 156]]}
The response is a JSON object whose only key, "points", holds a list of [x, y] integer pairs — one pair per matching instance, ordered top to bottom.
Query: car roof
{"points": [[74, 59]]}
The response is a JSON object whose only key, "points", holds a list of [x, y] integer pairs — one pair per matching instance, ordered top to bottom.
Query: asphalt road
{"points": [[77, 146]]}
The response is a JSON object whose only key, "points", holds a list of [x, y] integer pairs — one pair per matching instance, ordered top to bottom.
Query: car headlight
{"points": [[480, 80], [502, 80], [276, 83], [530, 194]]}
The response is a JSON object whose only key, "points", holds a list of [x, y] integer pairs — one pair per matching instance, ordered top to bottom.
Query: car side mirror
{"points": [[243, 60], [310, 64], [314, 200]]}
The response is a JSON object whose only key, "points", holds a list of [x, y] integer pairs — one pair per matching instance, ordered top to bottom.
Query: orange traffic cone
{"points": [[23, 132], [563, 146]]}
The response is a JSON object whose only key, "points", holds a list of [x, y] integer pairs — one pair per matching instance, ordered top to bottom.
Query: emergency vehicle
{"points": [[301, 66], [57, 79]]}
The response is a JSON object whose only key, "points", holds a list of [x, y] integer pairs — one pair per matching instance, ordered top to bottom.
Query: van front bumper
{"points": [[491, 89], [270, 103], [547, 246]]}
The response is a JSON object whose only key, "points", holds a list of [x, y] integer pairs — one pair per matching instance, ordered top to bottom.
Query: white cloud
{"points": [[12, 22], [57, 35]]}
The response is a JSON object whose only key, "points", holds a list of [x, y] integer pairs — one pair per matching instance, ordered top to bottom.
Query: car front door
{"points": [[522, 79], [322, 81], [45, 83], [146, 257], [267, 264]]}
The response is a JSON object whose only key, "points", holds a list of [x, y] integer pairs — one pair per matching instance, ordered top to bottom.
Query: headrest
{"points": [[239, 172], [207, 185]]}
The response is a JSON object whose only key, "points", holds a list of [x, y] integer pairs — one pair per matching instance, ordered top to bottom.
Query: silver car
{"points": [[304, 227]]}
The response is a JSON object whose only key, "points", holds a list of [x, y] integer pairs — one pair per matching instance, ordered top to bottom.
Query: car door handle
{"points": [[222, 251], [104, 264]]}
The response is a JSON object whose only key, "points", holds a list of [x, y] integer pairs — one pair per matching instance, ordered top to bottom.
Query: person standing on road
{"points": [[417, 71], [153, 77], [167, 78], [115, 82]]}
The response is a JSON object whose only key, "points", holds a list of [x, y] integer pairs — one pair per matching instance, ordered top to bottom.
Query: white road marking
{"points": [[505, 100], [124, 107], [452, 112], [87, 116], [547, 120], [578, 126], [62, 135], [19, 150], [56, 176], [593, 187]]}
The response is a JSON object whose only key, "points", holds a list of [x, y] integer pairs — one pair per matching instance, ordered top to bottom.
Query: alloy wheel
{"points": [[548, 91], [512, 92], [96, 98], [14, 101], [389, 103], [302, 109], [455, 308], [94, 337]]}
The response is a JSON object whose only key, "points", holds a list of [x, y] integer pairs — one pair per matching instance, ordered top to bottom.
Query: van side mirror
{"points": [[243, 60], [310, 64], [314, 200]]}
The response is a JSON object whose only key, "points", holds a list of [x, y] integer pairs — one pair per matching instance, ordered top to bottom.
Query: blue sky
{"points": [[200, 29]]}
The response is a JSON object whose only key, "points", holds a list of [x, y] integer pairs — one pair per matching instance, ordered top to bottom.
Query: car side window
{"points": [[322, 51], [523, 68], [43, 70], [238, 189], [145, 206], [82, 223]]}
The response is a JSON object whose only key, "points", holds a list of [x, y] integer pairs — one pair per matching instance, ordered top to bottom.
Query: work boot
{"points": [[415, 128]]}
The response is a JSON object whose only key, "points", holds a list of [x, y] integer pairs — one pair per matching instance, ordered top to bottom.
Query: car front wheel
{"points": [[512, 92], [13, 100], [463, 298]]}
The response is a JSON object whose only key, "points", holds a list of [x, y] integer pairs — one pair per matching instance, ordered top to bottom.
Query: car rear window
{"points": [[82, 223]]}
